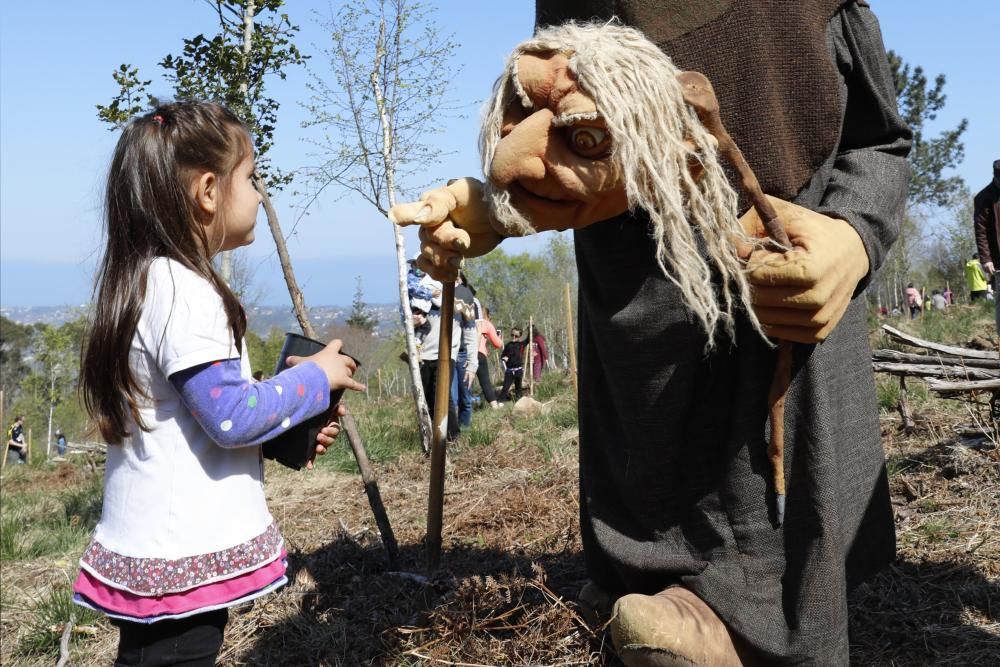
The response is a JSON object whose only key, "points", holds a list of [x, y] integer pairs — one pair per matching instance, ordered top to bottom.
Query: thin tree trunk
{"points": [[388, 159], [226, 257], [298, 302], [371, 489]]}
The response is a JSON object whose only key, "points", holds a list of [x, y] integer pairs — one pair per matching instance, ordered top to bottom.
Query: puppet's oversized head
{"points": [[588, 121]]}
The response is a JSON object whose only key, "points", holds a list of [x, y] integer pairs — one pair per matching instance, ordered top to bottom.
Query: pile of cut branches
{"points": [[948, 370]]}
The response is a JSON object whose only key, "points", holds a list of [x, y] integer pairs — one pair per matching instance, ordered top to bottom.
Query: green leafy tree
{"points": [[253, 45], [919, 104], [930, 190], [522, 286], [360, 317], [15, 343], [264, 352], [47, 391]]}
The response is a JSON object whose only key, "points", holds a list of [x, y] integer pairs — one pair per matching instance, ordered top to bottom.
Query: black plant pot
{"points": [[297, 445]]}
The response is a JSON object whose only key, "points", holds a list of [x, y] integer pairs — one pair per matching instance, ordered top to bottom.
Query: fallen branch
{"points": [[938, 347], [910, 358], [928, 371], [944, 387], [64, 642]]}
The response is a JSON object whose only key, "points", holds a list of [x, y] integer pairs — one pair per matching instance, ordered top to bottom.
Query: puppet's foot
{"points": [[673, 628]]}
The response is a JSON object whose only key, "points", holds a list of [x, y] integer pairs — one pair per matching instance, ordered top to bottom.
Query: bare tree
{"points": [[383, 94]]}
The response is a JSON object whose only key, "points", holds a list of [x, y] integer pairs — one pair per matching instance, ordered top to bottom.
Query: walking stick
{"points": [[699, 94], [442, 397]]}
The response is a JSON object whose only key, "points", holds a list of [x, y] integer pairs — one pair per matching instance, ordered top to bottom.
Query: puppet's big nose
{"points": [[519, 154]]}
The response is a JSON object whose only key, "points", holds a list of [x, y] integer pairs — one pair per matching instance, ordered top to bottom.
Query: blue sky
{"points": [[56, 60]]}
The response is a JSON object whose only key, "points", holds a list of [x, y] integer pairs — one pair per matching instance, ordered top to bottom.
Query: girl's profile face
{"points": [[240, 215]]}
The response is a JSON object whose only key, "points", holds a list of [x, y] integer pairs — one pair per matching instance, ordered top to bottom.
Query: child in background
{"points": [[185, 532]]}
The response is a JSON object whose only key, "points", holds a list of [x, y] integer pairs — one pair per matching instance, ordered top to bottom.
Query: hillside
{"points": [[511, 564]]}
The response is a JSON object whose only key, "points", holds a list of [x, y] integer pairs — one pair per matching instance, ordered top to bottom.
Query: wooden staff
{"points": [[698, 93], [571, 340], [442, 397]]}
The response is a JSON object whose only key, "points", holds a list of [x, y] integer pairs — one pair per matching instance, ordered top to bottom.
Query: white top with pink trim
{"points": [[171, 494]]}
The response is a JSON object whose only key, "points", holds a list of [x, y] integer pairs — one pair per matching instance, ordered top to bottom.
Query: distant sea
{"points": [[54, 292]]}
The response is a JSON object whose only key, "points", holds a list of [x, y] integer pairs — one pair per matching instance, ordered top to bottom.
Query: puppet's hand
{"points": [[454, 223], [800, 295]]}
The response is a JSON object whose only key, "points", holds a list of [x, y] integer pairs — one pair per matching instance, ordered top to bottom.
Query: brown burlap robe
{"points": [[674, 478]]}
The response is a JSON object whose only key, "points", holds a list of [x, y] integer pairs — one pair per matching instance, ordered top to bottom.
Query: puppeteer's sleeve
{"points": [[868, 187], [981, 221]]}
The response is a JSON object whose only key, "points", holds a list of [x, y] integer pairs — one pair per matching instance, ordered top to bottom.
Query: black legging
{"points": [[512, 376], [485, 383]]}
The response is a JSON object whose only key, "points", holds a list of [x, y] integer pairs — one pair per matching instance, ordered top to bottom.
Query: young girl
{"points": [[185, 532]]}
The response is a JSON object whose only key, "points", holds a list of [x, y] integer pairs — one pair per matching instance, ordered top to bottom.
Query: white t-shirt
{"points": [[171, 492]]}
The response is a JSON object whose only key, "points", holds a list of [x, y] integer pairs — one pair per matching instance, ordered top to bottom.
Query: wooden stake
{"points": [[571, 340], [529, 351], [380, 383], [442, 397], [371, 490]]}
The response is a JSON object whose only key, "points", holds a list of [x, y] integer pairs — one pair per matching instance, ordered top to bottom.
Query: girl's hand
{"points": [[339, 368], [329, 433]]}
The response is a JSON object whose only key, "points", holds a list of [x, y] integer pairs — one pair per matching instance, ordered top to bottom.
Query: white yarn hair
{"points": [[635, 87]]}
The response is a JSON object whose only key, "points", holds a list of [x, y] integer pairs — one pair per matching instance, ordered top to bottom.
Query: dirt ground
{"points": [[511, 564]]}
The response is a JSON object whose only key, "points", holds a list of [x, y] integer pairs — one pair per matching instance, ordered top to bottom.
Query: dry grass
{"points": [[511, 563]]}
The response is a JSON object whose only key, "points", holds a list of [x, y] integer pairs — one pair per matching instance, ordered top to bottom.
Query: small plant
{"points": [[938, 531], [46, 618]]}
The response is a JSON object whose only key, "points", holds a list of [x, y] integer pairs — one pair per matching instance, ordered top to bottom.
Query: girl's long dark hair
{"points": [[149, 213]]}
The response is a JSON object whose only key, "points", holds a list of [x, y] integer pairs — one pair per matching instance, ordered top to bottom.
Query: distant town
{"points": [[261, 319]]}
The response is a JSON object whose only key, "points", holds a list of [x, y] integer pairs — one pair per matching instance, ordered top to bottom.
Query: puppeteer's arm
{"points": [[868, 187], [801, 295]]}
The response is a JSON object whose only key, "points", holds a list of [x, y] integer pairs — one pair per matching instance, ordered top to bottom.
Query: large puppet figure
{"points": [[588, 130]]}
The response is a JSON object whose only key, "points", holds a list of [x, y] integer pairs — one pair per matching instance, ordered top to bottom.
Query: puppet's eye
{"points": [[589, 142]]}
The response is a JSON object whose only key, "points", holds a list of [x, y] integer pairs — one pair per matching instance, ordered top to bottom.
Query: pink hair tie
{"points": [[158, 119]]}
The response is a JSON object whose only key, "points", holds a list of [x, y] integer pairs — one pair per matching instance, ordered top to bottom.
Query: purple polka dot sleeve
{"points": [[236, 412]]}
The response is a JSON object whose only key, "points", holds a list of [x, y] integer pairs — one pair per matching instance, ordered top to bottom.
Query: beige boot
{"points": [[673, 628]]}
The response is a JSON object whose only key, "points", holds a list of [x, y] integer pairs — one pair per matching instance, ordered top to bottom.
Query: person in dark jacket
{"points": [[986, 219], [513, 361]]}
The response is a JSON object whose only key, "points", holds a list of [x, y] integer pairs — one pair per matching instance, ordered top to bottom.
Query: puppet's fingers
{"points": [[411, 213], [447, 236], [794, 268], [811, 298], [807, 335]]}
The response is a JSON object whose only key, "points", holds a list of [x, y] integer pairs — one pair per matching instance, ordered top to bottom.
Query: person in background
{"points": [[986, 221], [975, 279], [948, 295], [913, 300], [938, 302], [487, 335], [463, 336], [539, 353], [513, 360], [467, 362], [60, 442], [17, 450], [185, 532]]}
